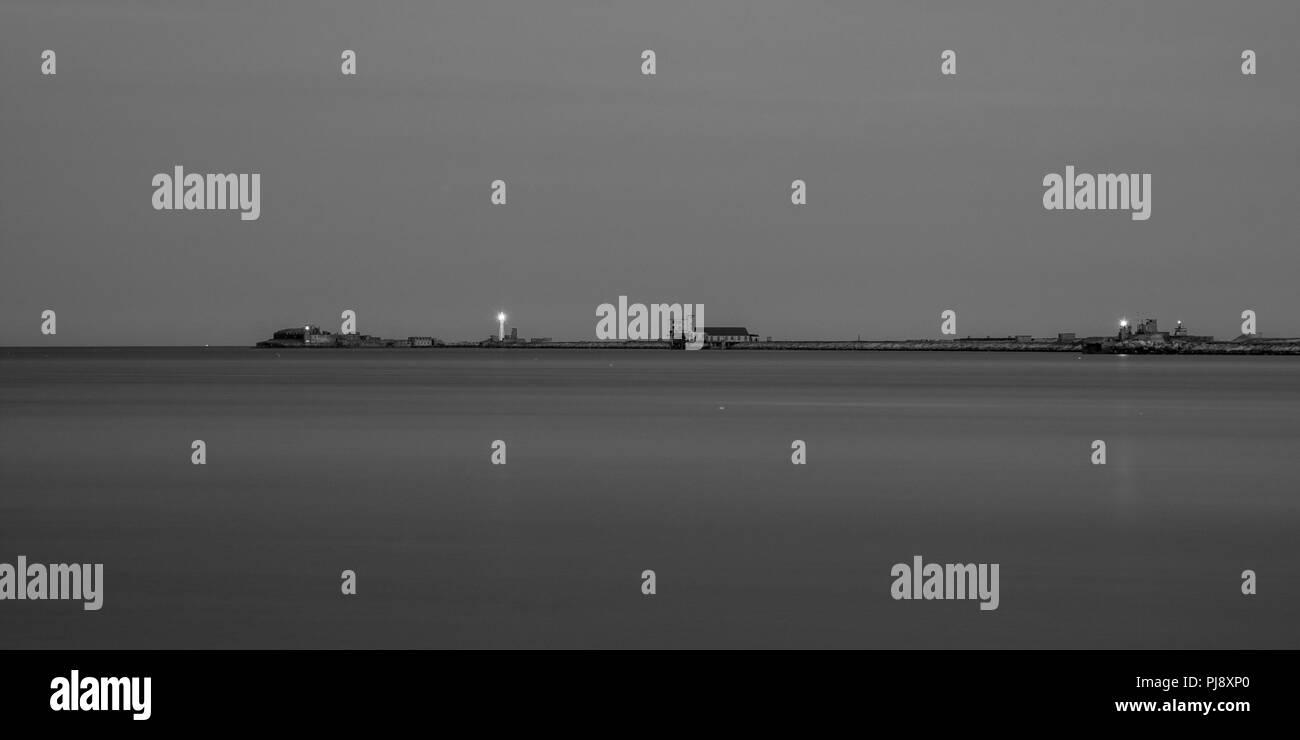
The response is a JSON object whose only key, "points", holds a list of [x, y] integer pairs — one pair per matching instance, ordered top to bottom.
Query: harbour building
{"points": [[721, 336]]}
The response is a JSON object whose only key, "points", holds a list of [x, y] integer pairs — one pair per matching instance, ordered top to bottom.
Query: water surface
{"points": [[621, 461]]}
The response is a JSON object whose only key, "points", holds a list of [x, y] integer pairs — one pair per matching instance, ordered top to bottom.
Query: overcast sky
{"points": [[924, 191]]}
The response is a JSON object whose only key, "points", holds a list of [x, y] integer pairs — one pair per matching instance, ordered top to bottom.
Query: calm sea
{"points": [[622, 461]]}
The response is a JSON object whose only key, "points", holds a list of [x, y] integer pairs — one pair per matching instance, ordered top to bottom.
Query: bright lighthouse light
{"points": [[501, 320], [1123, 322]]}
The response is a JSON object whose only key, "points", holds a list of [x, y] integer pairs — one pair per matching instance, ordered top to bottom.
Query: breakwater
{"points": [[1083, 347]]}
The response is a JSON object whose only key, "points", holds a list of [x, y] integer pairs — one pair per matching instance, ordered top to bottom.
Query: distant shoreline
{"points": [[1113, 347], [1280, 347]]}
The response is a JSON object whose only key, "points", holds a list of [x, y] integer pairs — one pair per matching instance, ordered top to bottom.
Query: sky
{"points": [[924, 190]]}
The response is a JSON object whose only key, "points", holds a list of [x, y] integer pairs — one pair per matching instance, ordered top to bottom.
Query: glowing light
{"points": [[501, 320], [1123, 322]]}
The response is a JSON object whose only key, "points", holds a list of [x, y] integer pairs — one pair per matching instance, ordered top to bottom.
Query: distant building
{"points": [[1145, 329], [1148, 330], [1180, 333], [300, 336], [721, 336], [1065, 337], [511, 338], [358, 340], [421, 341]]}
